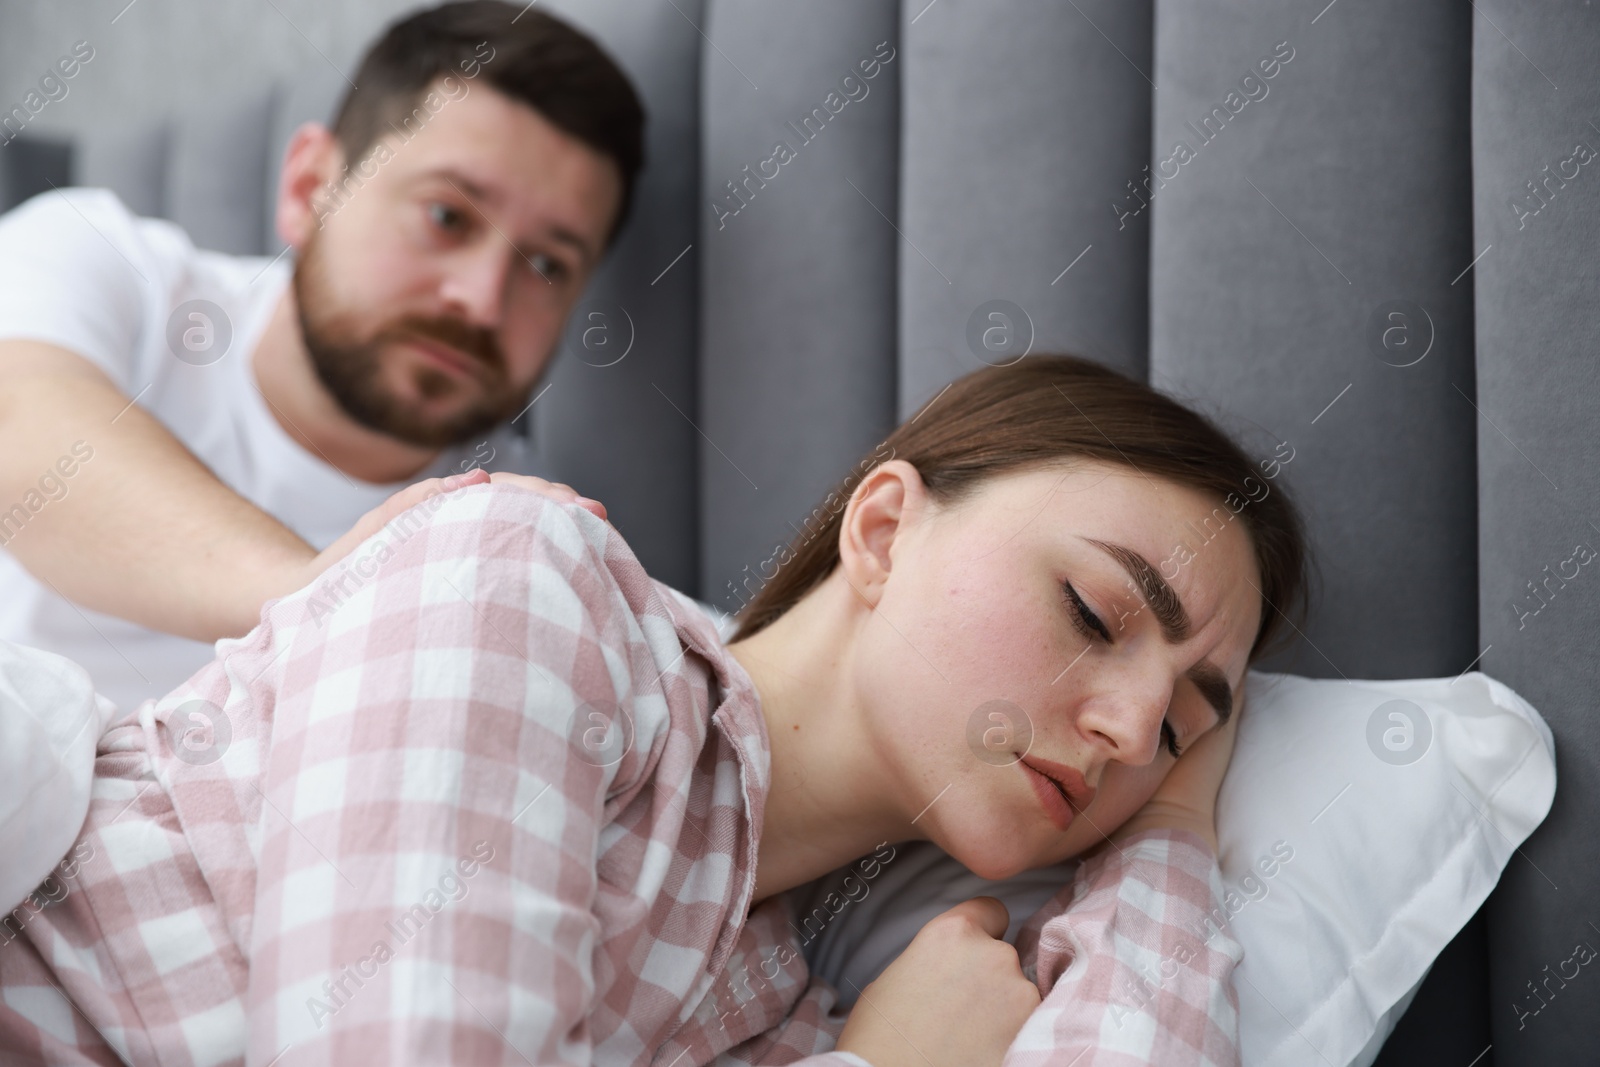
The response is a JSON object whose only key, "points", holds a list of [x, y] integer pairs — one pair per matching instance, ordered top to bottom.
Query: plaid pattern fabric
{"points": [[487, 794], [1134, 961]]}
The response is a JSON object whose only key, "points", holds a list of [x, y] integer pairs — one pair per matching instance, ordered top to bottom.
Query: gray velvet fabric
{"points": [[1533, 102], [1024, 124], [131, 161], [31, 164], [217, 170], [1375, 247], [1275, 253], [798, 300], [608, 426]]}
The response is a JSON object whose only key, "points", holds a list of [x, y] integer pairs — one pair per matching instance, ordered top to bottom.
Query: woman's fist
{"points": [[956, 997]]}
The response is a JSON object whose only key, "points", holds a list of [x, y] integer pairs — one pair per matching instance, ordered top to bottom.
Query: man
{"points": [[182, 431]]}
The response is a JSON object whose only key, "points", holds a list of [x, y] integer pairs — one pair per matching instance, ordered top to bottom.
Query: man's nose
{"points": [[474, 285]]}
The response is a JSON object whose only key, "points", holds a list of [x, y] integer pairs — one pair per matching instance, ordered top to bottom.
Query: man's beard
{"points": [[352, 369]]}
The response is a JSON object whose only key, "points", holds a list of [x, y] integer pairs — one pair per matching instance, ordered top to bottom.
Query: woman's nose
{"points": [[1124, 720]]}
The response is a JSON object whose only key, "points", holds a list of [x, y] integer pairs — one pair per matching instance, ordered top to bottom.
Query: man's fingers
{"points": [[475, 476], [558, 491]]}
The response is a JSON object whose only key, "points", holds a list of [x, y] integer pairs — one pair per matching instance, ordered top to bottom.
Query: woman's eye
{"points": [[445, 217], [1087, 622], [1089, 625], [1172, 737]]}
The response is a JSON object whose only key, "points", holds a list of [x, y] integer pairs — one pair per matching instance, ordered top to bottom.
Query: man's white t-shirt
{"points": [[78, 270]]}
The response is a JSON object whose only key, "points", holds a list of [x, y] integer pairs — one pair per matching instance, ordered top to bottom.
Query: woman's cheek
{"points": [[992, 636]]}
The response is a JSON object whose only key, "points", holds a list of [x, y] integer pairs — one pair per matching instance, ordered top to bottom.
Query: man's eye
{"points": [[445, 217], [548, 266]]}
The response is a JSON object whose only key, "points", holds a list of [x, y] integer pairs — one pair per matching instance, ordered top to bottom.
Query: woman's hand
{"points": [[411, 495], [1187, 798], [956, 997]]}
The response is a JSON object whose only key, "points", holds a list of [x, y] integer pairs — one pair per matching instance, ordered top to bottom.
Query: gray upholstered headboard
{"points": [[1382, 254]]}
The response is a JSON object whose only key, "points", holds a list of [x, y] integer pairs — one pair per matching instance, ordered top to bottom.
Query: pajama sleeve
{"points": [[443, 747], [1134, 962], [766, 1018], [805, 1038]]}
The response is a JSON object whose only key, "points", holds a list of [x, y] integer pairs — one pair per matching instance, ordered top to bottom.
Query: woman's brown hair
{"points": [[1047, 409]]}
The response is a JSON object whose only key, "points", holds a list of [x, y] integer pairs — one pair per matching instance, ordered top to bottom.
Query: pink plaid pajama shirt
{"points": [[375, 830]]}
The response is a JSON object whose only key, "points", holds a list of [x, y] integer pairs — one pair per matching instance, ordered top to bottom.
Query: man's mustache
{"points": [[473, 341]]}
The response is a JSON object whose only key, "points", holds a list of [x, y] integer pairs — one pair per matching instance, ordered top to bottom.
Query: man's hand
{"points": [[560, 492], [411, 495], [141, 529], [1187, 798], [956, 997]]}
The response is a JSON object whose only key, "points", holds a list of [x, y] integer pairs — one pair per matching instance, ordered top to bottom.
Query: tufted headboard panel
{"points": [[1380, 253]]}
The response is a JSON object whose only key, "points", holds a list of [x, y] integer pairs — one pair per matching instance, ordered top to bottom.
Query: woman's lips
{"points": [[1071, 781], [1050, 796]]}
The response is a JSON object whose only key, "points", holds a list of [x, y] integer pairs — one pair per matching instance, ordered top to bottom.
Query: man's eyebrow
{"points": [[478, 193], [1174, 622]]}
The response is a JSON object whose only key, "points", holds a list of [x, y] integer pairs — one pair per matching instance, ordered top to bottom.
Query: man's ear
{"points": [[312, 160], [883, 507]]}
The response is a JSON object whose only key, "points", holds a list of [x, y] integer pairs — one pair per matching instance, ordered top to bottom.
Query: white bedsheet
{"points": [[50, 720]]}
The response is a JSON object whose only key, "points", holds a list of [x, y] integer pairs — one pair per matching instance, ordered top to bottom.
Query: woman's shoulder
{"points": [[506, 530], [590, 556], [575, 570], [549, 573], [549, 580]]}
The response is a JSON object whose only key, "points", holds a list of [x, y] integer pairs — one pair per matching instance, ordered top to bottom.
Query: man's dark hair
{"points": [[536, 60]]}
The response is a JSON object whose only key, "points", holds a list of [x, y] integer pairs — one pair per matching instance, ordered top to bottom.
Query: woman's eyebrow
{"points": [[1174, 622], [1208, 678]]}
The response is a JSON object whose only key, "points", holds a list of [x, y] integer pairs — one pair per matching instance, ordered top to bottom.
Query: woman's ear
{"points": [[312, 161], [882, 508]]}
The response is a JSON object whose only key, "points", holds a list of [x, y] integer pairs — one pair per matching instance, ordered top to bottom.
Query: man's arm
{"points": [[144, 530]]}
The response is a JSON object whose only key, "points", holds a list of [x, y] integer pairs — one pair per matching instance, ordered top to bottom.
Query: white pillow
{"points": [[50, 720], [1410, 798], [1397, 805]]}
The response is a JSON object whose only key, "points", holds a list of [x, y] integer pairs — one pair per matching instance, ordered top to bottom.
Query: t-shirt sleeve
{"points": [[74, 272], [1134, 961]]}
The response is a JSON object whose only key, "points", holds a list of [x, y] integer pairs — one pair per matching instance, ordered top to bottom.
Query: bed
{"points": [[1379, 254]]}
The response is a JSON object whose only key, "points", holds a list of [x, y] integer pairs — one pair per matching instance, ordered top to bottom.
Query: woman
{"points": [[488, 794]]}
